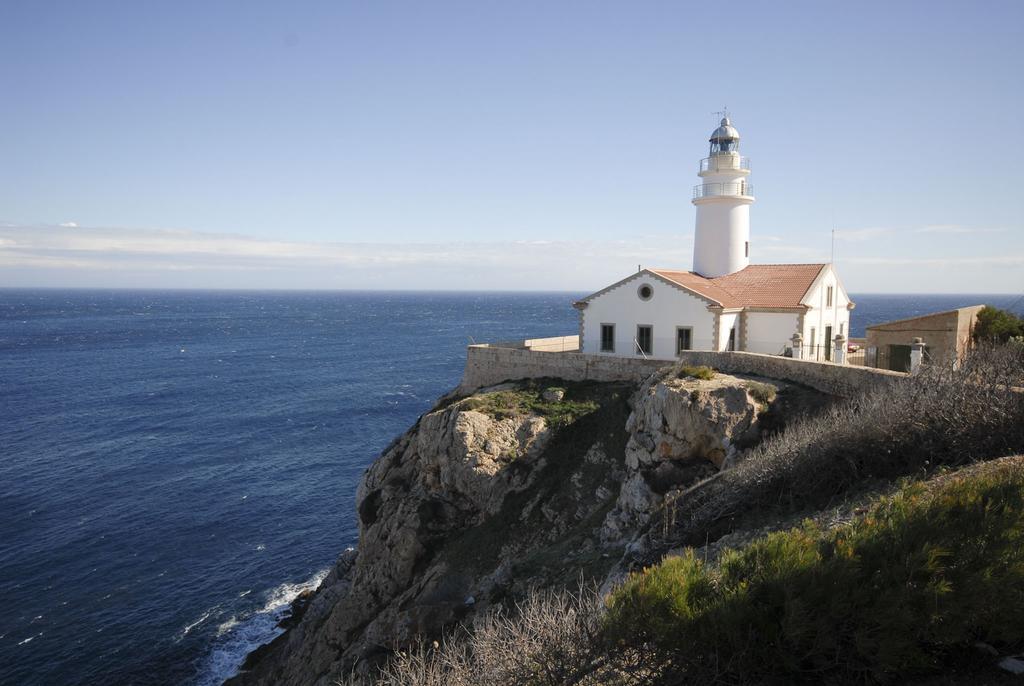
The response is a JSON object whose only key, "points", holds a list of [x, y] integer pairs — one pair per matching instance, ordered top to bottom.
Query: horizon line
{"points": [[411, 290]]}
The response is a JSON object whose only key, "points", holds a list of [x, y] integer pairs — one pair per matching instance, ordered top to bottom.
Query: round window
{"points": [[645, 291]]}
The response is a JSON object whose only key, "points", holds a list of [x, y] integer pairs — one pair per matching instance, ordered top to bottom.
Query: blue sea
{"points": [[176, 466]]}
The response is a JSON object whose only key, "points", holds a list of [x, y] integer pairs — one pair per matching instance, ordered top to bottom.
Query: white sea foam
{"points": [[193, 625], [227, 626], [240, 635]]}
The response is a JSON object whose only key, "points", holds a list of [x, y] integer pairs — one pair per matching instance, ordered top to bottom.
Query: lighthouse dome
{"points": [[725, 132]]}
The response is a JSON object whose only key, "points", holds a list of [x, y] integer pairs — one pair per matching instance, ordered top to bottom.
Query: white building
{"points": [[725, 303]]}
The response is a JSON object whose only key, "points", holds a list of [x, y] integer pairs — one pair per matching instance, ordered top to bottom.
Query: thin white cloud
{"points": [[70, 225], [955, 229], [868, 233], [87, 248], [62, 256], [1001, 261]]}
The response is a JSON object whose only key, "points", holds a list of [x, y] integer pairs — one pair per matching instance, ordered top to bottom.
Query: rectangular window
{"points": [[746, 249], [828, 297], [607, 338], [644, 339], [684, 339], [732, 339]]}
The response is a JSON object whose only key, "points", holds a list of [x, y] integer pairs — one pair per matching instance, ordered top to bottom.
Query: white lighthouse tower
{"points": [[722, 239]]}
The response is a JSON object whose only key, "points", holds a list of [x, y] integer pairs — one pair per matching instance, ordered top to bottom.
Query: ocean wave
{"points": [[193, 625], [239, 635]]}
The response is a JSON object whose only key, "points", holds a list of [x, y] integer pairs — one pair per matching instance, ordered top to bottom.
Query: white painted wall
{"points": [[723, 220], [719, 242], [668, 308], [821, 316], [727, 321], [770, 332]]}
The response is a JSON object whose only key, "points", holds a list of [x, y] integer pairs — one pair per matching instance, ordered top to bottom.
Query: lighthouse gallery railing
{"points": [[724, 163], [708, 190]]}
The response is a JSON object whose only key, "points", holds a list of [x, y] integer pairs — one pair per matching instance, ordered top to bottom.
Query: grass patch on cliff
{"points": [[702, 372], [761, 392], [529, 399], [893, 594]]}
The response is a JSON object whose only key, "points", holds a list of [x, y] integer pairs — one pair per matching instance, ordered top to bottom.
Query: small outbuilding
{"points": [[946, 336]]}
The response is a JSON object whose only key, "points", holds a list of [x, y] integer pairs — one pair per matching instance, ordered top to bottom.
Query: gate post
{"points": [[798, 346], [916, 355], [840, 356]]}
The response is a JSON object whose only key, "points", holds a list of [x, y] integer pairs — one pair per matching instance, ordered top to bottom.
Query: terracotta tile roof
{"points": [[700, 285], [759, 285]]}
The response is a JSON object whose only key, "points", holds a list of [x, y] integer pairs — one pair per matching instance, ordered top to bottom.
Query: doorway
{"points": [[899, 358]]}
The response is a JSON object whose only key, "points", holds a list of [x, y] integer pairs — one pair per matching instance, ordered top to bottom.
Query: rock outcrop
{"points": [[682, 430], [487, 496]]}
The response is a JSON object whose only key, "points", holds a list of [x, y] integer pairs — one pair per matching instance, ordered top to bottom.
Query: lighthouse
{"points": [[722, 238], [724, 303]]}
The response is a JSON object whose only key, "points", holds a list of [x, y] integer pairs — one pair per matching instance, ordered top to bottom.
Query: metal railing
{"points": [[724, 163], [736, 189], [640, 349], [817, 353]]}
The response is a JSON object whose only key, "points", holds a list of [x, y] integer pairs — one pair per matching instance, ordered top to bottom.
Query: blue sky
{"points": [[515, 145]]}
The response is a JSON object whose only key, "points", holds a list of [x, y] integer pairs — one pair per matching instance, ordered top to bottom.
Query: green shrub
{"points": [[995, 325], [702, 372], [761, 392], [498, 404], [509, 404], [886, 596]]}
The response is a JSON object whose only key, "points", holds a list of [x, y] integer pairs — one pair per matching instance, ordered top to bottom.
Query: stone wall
{"points": [[488, 365]]}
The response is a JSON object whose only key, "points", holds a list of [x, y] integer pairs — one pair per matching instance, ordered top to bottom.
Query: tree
{"points": [[997, 325]]}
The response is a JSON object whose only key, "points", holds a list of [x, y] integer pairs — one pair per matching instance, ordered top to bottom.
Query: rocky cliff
{"points": [[517, 486]]}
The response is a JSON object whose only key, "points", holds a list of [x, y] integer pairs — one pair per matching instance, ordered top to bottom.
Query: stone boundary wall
{"points": [[487, 365]]}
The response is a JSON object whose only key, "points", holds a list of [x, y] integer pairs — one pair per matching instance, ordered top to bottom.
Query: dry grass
{"points": [[945, 416], [549, 639]]}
